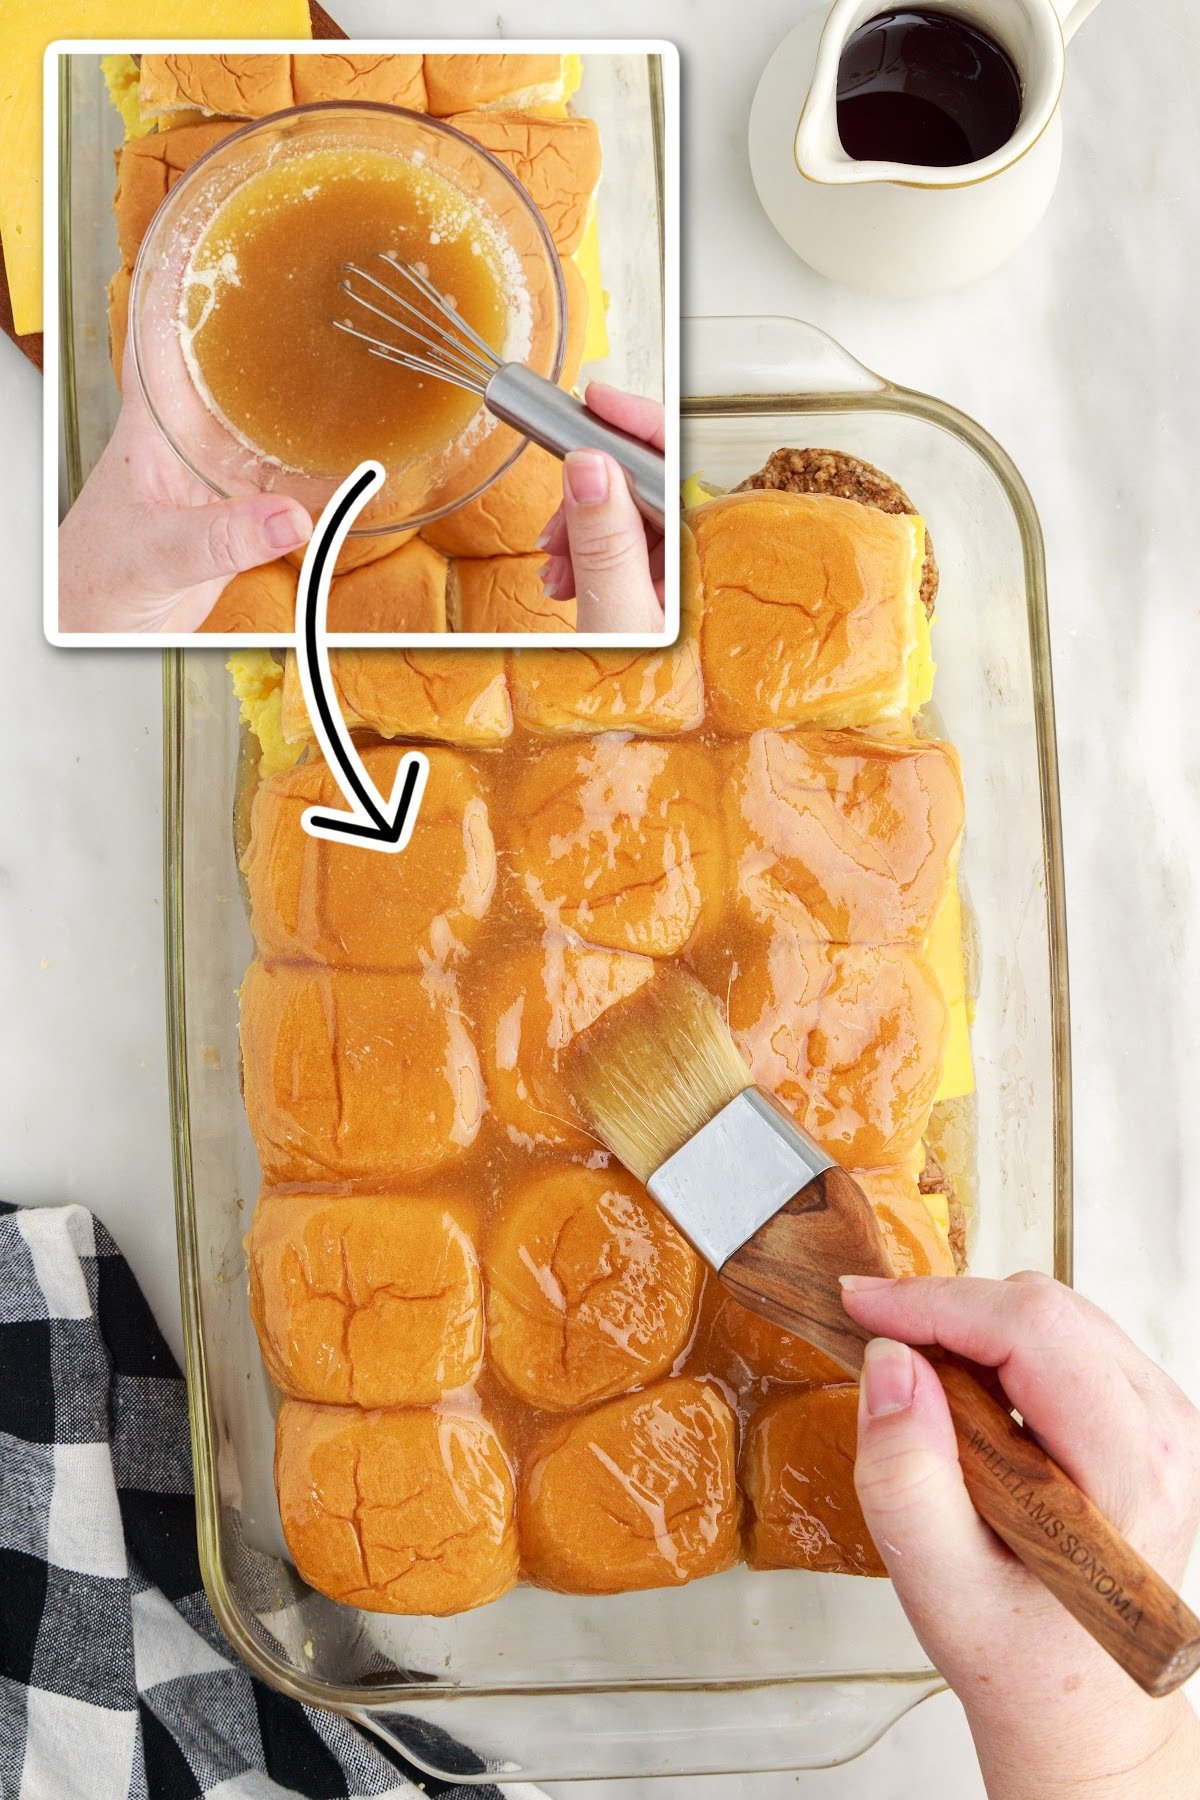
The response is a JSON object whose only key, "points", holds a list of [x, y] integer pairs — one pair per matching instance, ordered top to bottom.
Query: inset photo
{"points": [[379, 342]]}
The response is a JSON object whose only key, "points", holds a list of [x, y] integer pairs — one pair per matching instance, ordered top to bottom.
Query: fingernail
{"points": [[586, 475], [286, 529], [543, 542], [556, 577], [862, 1284], [888, 1377]]}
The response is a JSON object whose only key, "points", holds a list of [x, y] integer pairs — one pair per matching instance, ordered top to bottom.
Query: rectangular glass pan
{"points": [[622, 92], [749, 1670]]}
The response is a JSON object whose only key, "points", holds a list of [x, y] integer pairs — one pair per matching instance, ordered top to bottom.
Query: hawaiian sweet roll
{"points": [[340, 75], [515, 80], [242, 87], [556, 161], [147, 168], [118, 317], [816, 471], [508, 517], [358, 551], [404, 590], [504, 594], [261, 600], [811, 609], [653, 693], [436, 696], [850, 838], [619, 840], [314, 900], [532, 1000], [850, 1038], [356, 1075], [915, 1228], [590, 1288], [366, 1300], [744, 1348], [798, 1476], [639, 1493], [403, 1511]]}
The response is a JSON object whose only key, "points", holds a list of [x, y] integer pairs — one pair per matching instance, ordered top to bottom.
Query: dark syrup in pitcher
{"points": [[919, 86]]}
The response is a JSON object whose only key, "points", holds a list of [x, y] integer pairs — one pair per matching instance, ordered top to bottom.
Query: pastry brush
{"points": [[666, 1089]]}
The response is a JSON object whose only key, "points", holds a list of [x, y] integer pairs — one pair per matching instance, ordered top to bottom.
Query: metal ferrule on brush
{"points": [[735, 1174]]}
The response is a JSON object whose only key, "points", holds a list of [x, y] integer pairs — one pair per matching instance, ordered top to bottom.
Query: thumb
{"points": [[183, 546], [611, 563], [936, 1547]]}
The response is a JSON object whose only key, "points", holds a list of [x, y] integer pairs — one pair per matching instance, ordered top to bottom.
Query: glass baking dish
{"points": [[622, 91], [748, 1670]]}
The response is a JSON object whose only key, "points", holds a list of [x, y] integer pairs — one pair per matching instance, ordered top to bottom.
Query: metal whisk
{"points": [[437, 341]]}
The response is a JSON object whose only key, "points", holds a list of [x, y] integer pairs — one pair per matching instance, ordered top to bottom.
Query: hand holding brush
{"points": [[665, 1087]]}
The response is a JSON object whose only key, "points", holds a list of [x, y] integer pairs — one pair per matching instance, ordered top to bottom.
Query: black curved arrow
{"points": [[372, 822]]}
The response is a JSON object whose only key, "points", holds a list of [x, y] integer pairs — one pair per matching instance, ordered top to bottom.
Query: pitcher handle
{"points": [[1071, 15]]}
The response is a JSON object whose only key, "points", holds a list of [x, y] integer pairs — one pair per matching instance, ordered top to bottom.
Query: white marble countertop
{"points": [[1079, 356]]}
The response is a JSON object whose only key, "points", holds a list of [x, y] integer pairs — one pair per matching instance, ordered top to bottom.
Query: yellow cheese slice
{"points": [[26, 28], [121, 80], [587, 261], [921, 666], [258, 684], [944, 953], [937, 1205]]}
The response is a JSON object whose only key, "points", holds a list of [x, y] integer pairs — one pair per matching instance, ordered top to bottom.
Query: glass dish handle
{"points": [[768, 355]]}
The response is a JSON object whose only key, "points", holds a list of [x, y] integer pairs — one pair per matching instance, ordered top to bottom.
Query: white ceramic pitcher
{"points": [[901, 229]]}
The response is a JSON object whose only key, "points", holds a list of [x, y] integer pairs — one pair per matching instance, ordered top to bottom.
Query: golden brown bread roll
{"points": [[340, 75], [456, 83], [233, 86], [557, 162], [147, 168], [118, 317], [816, 471], [508, 517], [357, 551], [405, 590], [504, 594], [261, 600], [810, 609], [653, 693], [437, 696], [848, 837], [620, 841], [313, 900], [532, 1002], [849, 1038], [350, 1075], [915, 1242], [590, 1288], [366, 1300], [762, 1348], [798, 1475], [640, 1493], [401, 1512]]}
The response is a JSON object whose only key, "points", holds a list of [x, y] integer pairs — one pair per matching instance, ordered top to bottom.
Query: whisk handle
{"points": [[559, 422]]}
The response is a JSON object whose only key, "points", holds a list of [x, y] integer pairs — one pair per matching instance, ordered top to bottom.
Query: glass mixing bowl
{"points": [[201, 438]]}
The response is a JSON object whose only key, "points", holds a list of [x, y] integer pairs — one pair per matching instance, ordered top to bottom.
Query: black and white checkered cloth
{"points": [[115, 1680]]}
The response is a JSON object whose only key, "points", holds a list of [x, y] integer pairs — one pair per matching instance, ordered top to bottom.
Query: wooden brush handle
{"points": [[788, 1272]]}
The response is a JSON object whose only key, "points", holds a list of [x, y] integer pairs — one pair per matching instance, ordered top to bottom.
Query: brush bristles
{"points": [[655, 1068]]}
